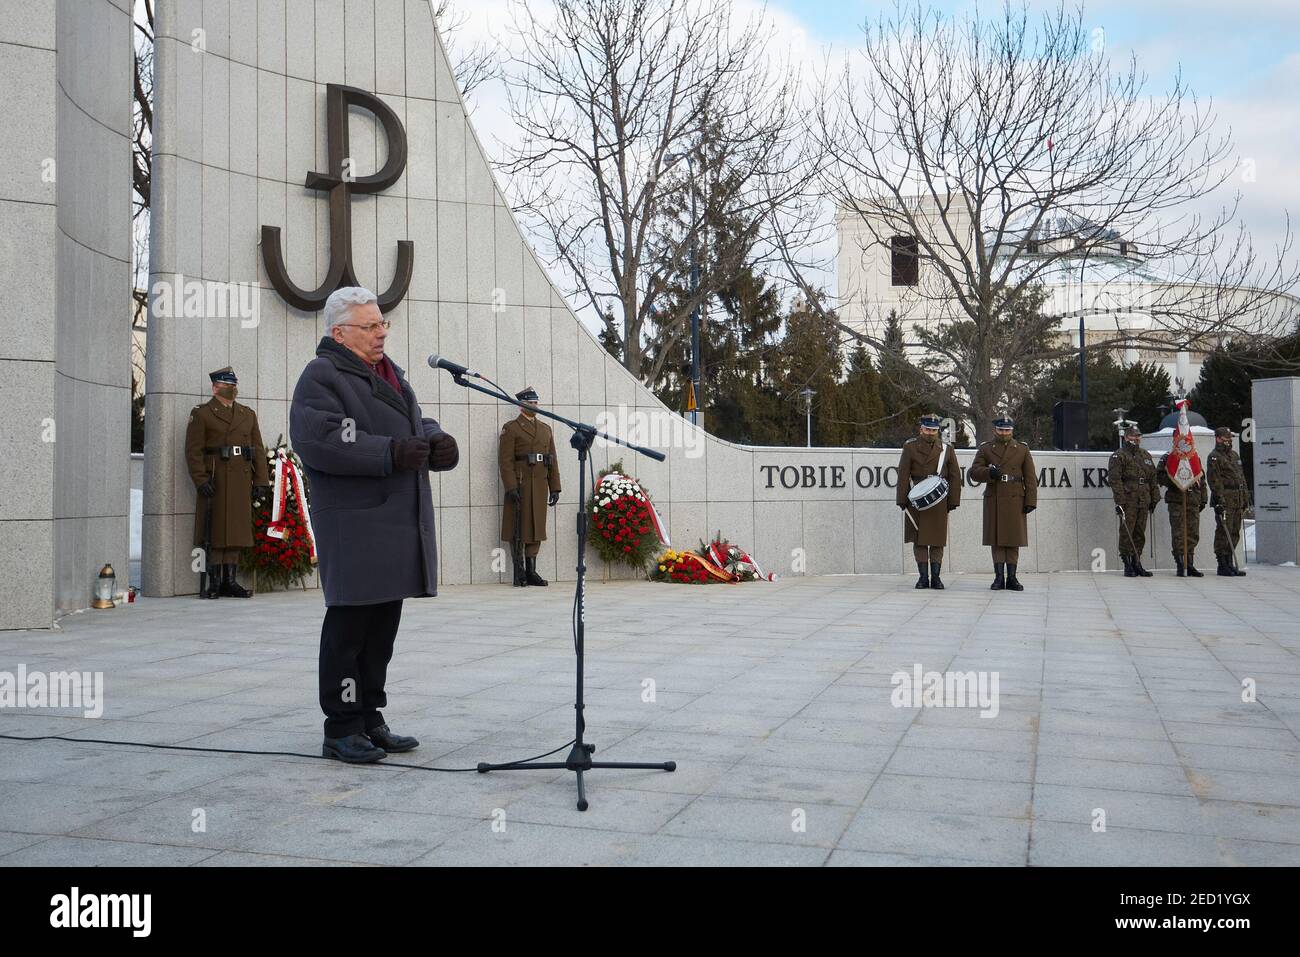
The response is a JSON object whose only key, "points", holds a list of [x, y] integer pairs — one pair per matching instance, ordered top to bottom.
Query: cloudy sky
{"points": [[1243, 56]]}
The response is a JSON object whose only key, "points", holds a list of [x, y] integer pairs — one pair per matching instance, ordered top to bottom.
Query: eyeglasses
{"points": [[370, 327]]}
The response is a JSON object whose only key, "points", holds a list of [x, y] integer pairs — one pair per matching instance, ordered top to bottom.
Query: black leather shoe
{"points": [[1129, 571], [1141, 571], [1194, 572], [530, 573], [934, 575], [924, 580], [999, 581], [1013, 583], [212, 587], [230, 588], [384, 738], [354, 749]]}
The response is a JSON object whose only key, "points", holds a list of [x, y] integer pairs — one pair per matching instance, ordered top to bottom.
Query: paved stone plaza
{"points": [[774, 700]]}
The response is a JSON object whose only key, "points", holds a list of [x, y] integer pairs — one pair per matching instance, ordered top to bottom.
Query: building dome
{"points": [[1194, 419]]}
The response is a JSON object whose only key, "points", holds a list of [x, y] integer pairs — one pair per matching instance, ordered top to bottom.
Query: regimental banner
{"points": [[1184, 463]]}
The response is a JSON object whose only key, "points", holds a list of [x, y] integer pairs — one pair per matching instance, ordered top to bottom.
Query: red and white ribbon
{"points": [[286, 476]]}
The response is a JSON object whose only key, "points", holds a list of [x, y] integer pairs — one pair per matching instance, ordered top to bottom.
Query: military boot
{"points": [[517, 566], [1224, 567], [1139, 569], [1129, 570], [1192, 570], [1181, 571], [530, 573], [934, 575], [924, 580], [999, 582], [212, 583], [1013, 583], [230, 588]]}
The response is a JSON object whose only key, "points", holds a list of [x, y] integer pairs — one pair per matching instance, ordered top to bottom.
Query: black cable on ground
{"points": [[286, 754]]}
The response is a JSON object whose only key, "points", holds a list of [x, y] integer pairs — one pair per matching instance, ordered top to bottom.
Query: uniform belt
{"points": [[226, 451], [534, 458], [1004, 477]]}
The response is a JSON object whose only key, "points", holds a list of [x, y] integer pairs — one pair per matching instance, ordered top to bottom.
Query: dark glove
{"points": [[443, 453], [409, 454], [994, 472], [207, 489], [261, 492], [512, 495], [555, 497], [1028, 508], [1119, 509]]}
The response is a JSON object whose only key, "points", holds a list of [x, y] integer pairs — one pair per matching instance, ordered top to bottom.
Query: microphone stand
{"points": [[579, 760]]}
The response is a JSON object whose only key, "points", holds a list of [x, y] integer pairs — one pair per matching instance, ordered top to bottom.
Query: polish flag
{"points": [[1183, 464]]}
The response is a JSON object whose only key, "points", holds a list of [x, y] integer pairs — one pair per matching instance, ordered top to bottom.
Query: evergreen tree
{"points": [[1140, 388]]}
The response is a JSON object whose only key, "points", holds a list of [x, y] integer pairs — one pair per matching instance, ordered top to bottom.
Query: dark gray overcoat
{"points": [[374, 525]]}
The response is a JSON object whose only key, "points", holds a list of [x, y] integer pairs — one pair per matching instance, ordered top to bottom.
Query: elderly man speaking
{"points": [[368, 451]]}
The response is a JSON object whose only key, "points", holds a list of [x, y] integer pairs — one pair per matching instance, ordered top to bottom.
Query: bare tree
{"points": [[471, 67], [612, 97], [142, 147], [1002, 156]]}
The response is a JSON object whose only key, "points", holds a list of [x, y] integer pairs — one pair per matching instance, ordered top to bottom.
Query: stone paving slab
{"points": [[775, 700]]}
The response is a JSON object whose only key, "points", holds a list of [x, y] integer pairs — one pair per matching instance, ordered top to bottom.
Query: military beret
{"points": [[224, 375]]}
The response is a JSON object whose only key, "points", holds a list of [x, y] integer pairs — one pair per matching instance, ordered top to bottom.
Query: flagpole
{"points": [[1184, 530]]}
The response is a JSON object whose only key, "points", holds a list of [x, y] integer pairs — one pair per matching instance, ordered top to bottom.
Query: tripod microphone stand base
{"points": [[578, 761]]}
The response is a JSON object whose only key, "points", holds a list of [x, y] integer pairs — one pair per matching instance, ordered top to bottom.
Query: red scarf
{"points": [[384, 369]]}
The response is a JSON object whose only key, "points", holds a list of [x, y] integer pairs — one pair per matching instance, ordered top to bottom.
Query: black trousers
{"points": [[356, 644]]}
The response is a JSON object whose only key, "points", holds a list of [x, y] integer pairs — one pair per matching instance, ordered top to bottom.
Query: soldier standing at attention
{"points": [[526, 458], [227, 463], [1132, 476], [1010, 495], [1228, 498], [1185, 507], [927, 529]]}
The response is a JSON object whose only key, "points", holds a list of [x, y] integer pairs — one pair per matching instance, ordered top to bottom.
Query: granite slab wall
{"points": [[65, 248], [1275, 404]]}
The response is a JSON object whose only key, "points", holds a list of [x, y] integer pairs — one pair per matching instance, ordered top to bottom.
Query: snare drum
{"points": [[928, 492]]}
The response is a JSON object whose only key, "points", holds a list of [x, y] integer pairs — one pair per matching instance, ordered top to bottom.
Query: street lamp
{"points": [[669, 160], [807, 394]]}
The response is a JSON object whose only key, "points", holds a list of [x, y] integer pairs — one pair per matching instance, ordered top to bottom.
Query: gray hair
{"points": [[339, 305]]}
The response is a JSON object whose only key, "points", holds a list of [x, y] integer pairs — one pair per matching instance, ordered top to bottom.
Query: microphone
{"points": [[439, 362]]}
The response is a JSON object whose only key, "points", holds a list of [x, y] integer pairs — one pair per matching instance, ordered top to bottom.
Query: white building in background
{"points": [[1110, 282]]}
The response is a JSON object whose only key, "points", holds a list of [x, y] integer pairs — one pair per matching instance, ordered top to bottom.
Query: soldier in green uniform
{"points": [[227, 464], [531, 476], [1133, 485], [1010, 495], [1228, 498], [1185, 509], [927, 529]]}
